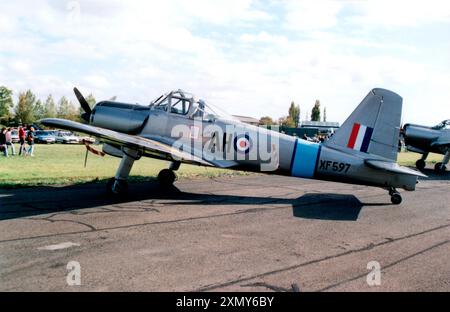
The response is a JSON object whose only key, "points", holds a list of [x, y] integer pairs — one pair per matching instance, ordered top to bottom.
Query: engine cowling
{"points": [[121, 117], [419, 135]]}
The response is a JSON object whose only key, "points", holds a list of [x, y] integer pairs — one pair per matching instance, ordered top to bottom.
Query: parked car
{"points": [[15, 136], [46, 137], [67, 137]]}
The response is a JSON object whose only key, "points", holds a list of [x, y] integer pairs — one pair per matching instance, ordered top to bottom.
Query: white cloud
{"points": [[219, 12], [401, 12], [305, 15], [7, 24], [264, 37], [20, 67], [97, 81]]}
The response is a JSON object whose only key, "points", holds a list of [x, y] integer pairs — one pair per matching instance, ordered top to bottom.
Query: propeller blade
{"points": [[84, 104]]}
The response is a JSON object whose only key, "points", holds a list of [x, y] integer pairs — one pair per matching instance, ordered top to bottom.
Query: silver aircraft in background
{"points": [[180, 128], [425, 140]]}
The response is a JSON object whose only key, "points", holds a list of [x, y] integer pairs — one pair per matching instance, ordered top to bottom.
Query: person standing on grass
{"points": [[22, 136], [30, 141], [9, 142], [3, 146]]}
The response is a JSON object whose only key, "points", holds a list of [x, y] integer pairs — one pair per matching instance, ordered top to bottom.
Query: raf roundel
{"points": [[242, 143]]}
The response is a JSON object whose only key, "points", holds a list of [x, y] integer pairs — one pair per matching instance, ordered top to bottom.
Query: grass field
{"points": [[64, 164]]}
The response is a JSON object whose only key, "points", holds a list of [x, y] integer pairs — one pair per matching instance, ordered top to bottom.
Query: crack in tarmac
{"points": [[91, 227], [294, 287]]}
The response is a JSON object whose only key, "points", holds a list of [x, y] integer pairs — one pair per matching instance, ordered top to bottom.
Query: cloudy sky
{"points": [[249, 57]]}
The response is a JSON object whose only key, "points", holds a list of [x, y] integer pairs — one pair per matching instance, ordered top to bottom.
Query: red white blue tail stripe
{"points": [[360, 137]]}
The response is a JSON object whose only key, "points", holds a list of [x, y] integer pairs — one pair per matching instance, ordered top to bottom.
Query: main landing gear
{"points": [[420, 164], [440, 167], [167, 177], [119, 185], [396, 198]]}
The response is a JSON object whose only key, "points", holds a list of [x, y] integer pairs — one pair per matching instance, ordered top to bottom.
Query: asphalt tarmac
{"points": [[250, 233]]}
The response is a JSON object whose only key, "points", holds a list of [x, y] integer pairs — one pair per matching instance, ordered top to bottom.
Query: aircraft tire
{"points": [[420, 164], [438, 168], [167, 177], [121, 188], [396, 199]]}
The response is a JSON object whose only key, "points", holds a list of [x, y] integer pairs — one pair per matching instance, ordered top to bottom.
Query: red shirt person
{"points": [[22, 136]]}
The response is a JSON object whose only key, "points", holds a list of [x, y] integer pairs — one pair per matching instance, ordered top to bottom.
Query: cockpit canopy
{"points": [[184, 103], [443, 125]]}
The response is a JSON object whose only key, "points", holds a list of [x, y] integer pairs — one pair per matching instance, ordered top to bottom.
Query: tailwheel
{"points": [[420, 164], [439, 168], [167, 177], [117, 187], [396, 198]]}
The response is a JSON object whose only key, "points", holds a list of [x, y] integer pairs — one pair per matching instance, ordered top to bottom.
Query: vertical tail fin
{"points": [[374, 126]]}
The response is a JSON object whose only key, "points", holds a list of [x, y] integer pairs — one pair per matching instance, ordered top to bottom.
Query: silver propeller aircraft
{"points": [[179, 128], [425, 140]]}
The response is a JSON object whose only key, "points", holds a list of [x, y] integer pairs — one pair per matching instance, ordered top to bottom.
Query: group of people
{"points": [[26, 136], [317, 138]]}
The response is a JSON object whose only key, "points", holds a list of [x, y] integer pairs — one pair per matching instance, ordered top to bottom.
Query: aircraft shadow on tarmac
{"points": [[19, 203], [329, 206]]}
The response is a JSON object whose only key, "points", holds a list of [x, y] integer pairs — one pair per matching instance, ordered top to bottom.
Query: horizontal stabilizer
{"points": [[392, 167]]}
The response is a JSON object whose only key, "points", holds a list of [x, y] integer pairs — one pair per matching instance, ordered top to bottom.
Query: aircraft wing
{"points": [[132, 141]]}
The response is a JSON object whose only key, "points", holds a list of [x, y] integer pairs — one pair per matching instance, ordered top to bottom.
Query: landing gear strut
{"points": [[167, 177], [119, 185], [396, 198]]}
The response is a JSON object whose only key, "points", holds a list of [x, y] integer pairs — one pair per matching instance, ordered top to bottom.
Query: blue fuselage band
{"points": [[305, 159]]}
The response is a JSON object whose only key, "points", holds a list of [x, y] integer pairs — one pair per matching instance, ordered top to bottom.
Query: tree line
{"points": [[28, 108], [292, 120]]}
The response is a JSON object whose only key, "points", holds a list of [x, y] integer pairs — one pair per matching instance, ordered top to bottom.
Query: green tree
{"points": [[91, 100], [6, 102], [50, 107], [66, 109], [24, 110], [39, 110], [315, 113], [294, 114], [266, 121], [286, 122]]}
